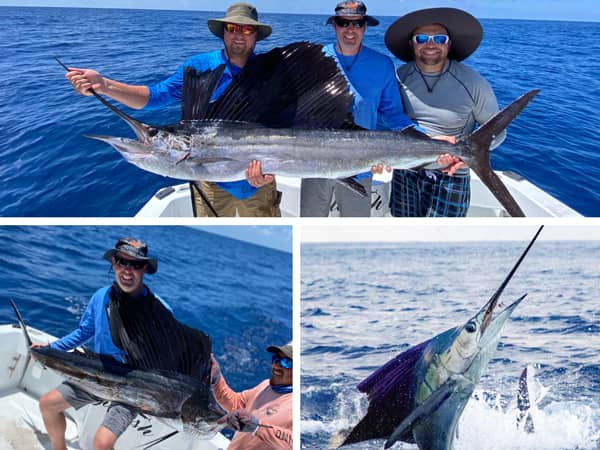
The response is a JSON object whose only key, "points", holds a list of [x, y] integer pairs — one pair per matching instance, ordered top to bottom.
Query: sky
{"points": [[581, 10], [442, 230], [276, 237]]}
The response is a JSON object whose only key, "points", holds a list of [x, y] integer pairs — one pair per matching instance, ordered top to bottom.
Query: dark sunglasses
{"points": [[345, 23], [243, 29], [426, 38], [130, 263], [284, 362]]}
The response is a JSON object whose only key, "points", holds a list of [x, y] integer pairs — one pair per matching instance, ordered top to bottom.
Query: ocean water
{"points": [[48, 167], [238, 293], [362, 304]]}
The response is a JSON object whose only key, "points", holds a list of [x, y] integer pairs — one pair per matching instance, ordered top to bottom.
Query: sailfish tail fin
{"points": [[479, 151]]}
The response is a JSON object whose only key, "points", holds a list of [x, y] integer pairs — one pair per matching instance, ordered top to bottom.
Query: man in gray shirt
{"points": [[445, 98]]}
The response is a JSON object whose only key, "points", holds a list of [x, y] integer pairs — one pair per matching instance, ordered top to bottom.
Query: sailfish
{"points": [[297, 123], [420, 395]]}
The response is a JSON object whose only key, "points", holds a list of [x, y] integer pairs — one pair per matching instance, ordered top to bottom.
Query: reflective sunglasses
{"points": [[345, 23], [243, 29], [427, 38], [130, 263], [284, 362]]}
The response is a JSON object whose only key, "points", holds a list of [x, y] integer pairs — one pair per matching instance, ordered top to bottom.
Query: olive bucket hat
{"points": [[241, 14], [464, 30], [136, 249], [287, 350]]}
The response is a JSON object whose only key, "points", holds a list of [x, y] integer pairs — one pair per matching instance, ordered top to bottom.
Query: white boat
{"points": [[174, 201], [23, 381]]}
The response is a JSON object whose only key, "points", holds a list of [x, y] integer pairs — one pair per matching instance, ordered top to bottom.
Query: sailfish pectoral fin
{"points": [[430, 405]]}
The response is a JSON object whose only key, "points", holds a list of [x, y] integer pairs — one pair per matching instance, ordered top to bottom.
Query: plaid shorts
{"points": [[420, 193]]}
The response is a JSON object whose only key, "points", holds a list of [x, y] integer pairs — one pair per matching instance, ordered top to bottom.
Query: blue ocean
{"points": [[48, 167], [238, 293], [363, 304]]}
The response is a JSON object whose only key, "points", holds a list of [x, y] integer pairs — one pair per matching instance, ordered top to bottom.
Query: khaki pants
{"points": [[264, 203]]}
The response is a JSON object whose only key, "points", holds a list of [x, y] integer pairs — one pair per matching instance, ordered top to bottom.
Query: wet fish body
{"points": [[296, 123], [165, 394], [420, 395]]}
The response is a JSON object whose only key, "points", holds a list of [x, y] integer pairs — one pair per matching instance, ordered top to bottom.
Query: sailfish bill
{"points": [[296, 123], [419, 396]]}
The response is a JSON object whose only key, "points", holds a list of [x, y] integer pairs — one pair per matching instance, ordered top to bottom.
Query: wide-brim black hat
{"points": [[352, 8], [242, 14], [464, 30], [136, 249]]}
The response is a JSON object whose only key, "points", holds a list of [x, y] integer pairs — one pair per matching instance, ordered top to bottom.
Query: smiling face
{"points": [[349, 39], [239, 45], [430, 57], [129, 273], [279, 375]]}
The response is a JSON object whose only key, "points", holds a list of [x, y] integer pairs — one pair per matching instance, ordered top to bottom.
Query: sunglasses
{"points": [[345, 23], [243, 29], [427, 38], [130, 263], [284, 362]]}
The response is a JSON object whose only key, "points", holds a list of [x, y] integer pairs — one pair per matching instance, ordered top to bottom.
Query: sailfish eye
{"points": [[471, 326]]}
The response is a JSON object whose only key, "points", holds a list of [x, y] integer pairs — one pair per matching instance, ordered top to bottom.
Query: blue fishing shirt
{"points": [[168, 91], [377, 102], [94, 324]]}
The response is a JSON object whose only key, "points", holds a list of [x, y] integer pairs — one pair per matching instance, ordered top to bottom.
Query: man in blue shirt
{"points": [[240, 29], [377, 106], [130, 261]]}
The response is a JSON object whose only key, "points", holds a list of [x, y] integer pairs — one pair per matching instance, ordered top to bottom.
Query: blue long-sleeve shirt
{"points": [[169, 91], [377, 102], [94, 324]]}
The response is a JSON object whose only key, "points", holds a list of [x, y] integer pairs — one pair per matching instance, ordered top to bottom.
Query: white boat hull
{"points": [[174, 201]]}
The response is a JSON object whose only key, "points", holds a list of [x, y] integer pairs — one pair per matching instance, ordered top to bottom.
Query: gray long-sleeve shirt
{"points": [[450, 102]]}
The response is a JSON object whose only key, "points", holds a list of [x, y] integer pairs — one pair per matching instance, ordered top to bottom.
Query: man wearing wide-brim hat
{"points": [[239, 31], [445, 98], [377, 106], [130, 261]]}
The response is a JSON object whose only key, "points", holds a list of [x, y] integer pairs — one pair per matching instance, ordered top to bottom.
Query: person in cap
{"points": [[239, 31], [442, 96], [377, 105], [130, 262], [261, 416]]}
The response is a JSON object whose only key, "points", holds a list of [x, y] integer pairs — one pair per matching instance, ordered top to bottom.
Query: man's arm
{"points": [[83, 80], [82, 334]]}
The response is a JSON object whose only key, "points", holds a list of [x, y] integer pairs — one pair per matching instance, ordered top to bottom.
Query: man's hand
{"points": [[85, 79], [450, 162], [379, 168], [255, 176], [215, 370], [241, 420]]}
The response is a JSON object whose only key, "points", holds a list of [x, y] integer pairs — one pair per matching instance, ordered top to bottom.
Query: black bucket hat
{"points": [[349, 8], [241, 14], [464, 30], [136, 249], [287, 350]]}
